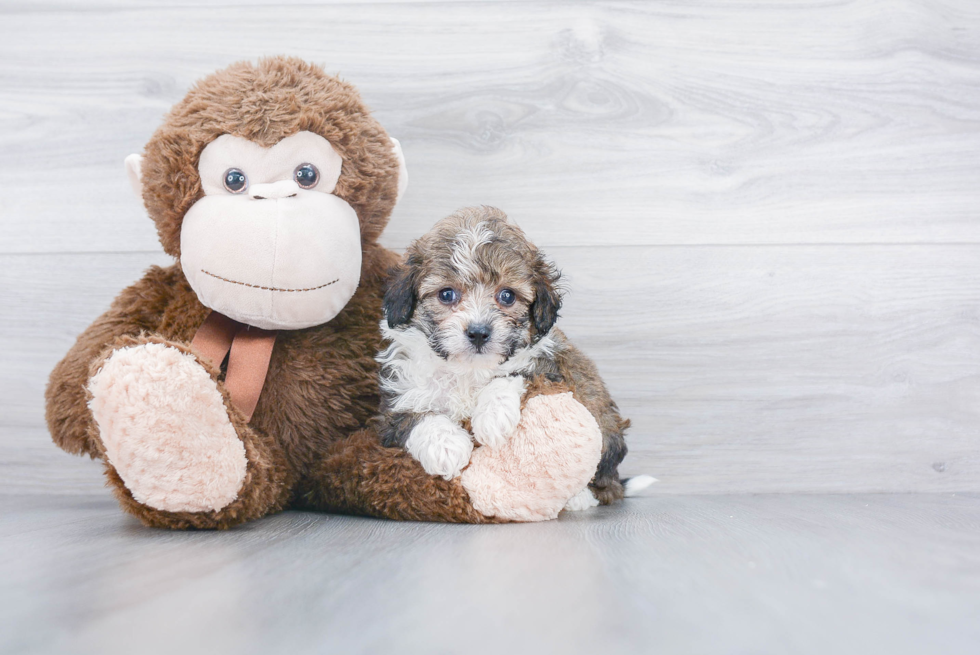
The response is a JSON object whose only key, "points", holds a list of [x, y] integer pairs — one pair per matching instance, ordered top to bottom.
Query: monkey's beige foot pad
{"points": [[166, 430], [551, 456]]}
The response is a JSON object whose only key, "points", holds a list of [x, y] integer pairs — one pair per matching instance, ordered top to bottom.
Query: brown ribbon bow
{"points": [[248, 363]]}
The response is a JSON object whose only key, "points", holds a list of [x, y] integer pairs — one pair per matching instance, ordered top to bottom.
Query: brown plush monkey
{"points": [[238, 381]]}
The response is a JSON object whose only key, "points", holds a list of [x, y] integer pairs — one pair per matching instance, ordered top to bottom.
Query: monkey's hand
{"points": [[498, 411]]}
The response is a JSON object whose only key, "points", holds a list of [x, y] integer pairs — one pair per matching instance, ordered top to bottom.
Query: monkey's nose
{"points": [[273, 191], [478, 334]]}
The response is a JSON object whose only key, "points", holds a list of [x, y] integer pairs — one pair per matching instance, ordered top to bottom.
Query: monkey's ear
{"points": [[402, 169], [134, 171], [400, 298], [547, 298]]}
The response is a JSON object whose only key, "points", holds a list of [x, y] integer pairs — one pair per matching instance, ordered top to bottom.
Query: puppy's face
{"points": [[476, 288], [484, 316]]}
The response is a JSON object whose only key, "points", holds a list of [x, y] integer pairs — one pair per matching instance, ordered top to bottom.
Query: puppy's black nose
{"points": [[478, 334]]}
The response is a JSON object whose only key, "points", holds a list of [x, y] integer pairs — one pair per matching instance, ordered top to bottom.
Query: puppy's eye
{"points": [[306, 176], [235, 180], [448, 296], [506, 297]]}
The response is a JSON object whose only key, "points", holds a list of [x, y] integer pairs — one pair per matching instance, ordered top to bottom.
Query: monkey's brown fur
{"points": [[303, 445]]}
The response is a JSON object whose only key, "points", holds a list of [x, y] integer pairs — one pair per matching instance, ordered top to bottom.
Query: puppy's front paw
{"points": [[498, 411], [440, 446]]}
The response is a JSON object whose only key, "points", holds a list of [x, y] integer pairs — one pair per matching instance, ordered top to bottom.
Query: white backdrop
{"points": [[768, 216]]}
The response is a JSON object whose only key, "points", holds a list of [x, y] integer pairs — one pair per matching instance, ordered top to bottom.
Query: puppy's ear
{"points": [[400, 297], [547, 297]]}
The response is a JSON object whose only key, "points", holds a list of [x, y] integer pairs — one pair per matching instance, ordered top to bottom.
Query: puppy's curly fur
{"points": [[469, 320]]}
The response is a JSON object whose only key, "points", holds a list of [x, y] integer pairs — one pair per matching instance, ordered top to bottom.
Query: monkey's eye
{"points": [[306, 176], [235, 180], [448, 296], [506, 297]]}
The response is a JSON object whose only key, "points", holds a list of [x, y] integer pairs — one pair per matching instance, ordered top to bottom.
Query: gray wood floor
{"points": [[848, 574]]}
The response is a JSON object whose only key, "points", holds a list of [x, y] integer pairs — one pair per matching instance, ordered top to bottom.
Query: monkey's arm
{"points": [[139, 308], [359, 475]]}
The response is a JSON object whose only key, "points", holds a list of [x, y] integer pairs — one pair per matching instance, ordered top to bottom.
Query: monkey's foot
{"points": [[166, 430], [551, 456]]}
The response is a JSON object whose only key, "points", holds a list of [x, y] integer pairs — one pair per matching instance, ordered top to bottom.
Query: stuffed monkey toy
{"points": [[240, 381]]}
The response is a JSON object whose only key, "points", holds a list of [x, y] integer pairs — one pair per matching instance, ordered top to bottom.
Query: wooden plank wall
{"points": [[768, 213]]}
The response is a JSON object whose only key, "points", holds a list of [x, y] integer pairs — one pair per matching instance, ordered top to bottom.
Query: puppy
{"points": [[470, 319]]}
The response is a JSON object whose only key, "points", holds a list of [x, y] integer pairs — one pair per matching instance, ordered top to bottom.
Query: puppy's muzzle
{"points": [[478, 334]]}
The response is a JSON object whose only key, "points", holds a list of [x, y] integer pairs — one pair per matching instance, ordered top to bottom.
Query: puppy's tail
{"points": [[635, 485]]}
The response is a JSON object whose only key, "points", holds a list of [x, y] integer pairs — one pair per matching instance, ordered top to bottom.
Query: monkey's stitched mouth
{"points": [[256, 286]]}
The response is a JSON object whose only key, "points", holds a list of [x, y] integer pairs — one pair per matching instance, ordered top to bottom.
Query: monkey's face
{"points": [[269, 244]]}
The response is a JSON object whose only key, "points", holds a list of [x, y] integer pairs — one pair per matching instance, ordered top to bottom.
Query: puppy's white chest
{"points": [[416, 380], [455, 393]]}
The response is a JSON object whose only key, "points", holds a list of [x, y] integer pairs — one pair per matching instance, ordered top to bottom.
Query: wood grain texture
{"points": [[604, 123], [769, 214], [744, 369], [712, 575]]}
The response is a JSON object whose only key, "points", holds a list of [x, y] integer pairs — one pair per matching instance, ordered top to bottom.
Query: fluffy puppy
{"points": [[470, 318]]}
